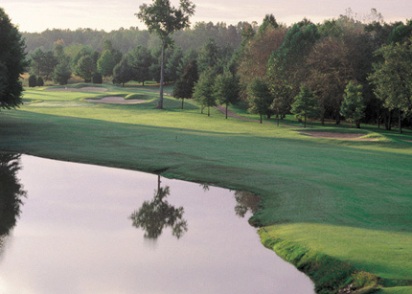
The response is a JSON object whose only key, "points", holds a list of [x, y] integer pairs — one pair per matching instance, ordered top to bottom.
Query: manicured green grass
{"points": [[339, 201]]}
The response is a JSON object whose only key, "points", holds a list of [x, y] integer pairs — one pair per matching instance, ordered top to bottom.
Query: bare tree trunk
{"points": [[162, 61], [226, 109], [278, 116], [379, 119], [388, 120], [400, 121]]}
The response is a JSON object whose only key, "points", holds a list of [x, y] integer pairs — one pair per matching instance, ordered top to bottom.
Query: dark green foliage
{"points": [[268, 21], [401, 32], [297, 44], [208, 56], [325, 57], [108, 59], [140, 60], [174, 62], [12, 63], [43, 63], [85, 63], [106, 63], [85, 68], [287, 68], [123, 72], [62, 73], [97, 78], [392, 78], [32, 81], [40, 82], [185, 84], [226, 89], [203, 91], [259, 98], [305, 104], [353, 105], [11, 193], [155, 215]]}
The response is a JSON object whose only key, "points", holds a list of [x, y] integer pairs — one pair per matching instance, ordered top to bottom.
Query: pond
{"points": [[76, 228]]}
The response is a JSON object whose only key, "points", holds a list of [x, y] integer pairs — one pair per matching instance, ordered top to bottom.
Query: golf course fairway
{"points": [[338, 207]]}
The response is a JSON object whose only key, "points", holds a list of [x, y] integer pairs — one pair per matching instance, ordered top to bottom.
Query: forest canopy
{"points": [[324, 58]]}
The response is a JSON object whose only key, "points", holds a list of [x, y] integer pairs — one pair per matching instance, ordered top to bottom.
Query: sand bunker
{"points": [[116, 100], [343, 136]]}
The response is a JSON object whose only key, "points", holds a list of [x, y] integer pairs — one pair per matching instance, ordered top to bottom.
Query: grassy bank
{"points": [[342, 205]]}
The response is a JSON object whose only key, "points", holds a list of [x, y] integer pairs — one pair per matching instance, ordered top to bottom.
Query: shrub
{"points": [[97, 78], [32, 81], [40, 82]]}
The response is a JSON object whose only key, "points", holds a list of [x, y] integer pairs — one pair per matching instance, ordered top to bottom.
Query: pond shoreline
{"points": [[297, 183], [224, 233], [308, 262]]}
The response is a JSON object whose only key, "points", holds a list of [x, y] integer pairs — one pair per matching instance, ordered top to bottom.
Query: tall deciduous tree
{"points": [[163, 19], [253, 59], [12, 63], [43, 63], [286, 66], [330, 71], [392, 78], [226, 89], [203, 91], [353, 105]]}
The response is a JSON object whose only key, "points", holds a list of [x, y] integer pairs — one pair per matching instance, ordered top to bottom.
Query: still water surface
{"points": [[90, 229]]}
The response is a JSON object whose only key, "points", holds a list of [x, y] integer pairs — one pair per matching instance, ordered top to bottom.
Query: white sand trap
{"points": [[116, 100]]}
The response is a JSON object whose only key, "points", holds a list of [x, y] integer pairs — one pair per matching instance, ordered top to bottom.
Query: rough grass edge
{"points": [[329, 274]]}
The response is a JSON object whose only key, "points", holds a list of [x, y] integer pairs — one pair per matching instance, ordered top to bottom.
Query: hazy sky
{"points": [[38, 15]]}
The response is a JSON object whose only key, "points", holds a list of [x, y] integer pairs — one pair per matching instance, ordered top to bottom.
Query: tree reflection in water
{"points": [[11, 193], [246, 201], [157, 214]]}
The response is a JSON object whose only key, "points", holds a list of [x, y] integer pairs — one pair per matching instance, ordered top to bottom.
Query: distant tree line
{"points": [[344, 68]]}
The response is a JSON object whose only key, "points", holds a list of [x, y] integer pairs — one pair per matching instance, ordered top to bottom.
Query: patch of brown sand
{"points": [[116, 100], [344, 136]]}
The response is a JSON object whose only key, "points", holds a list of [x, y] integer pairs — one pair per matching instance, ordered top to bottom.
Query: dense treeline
{"points": [[127, 39], [341, 68]]}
